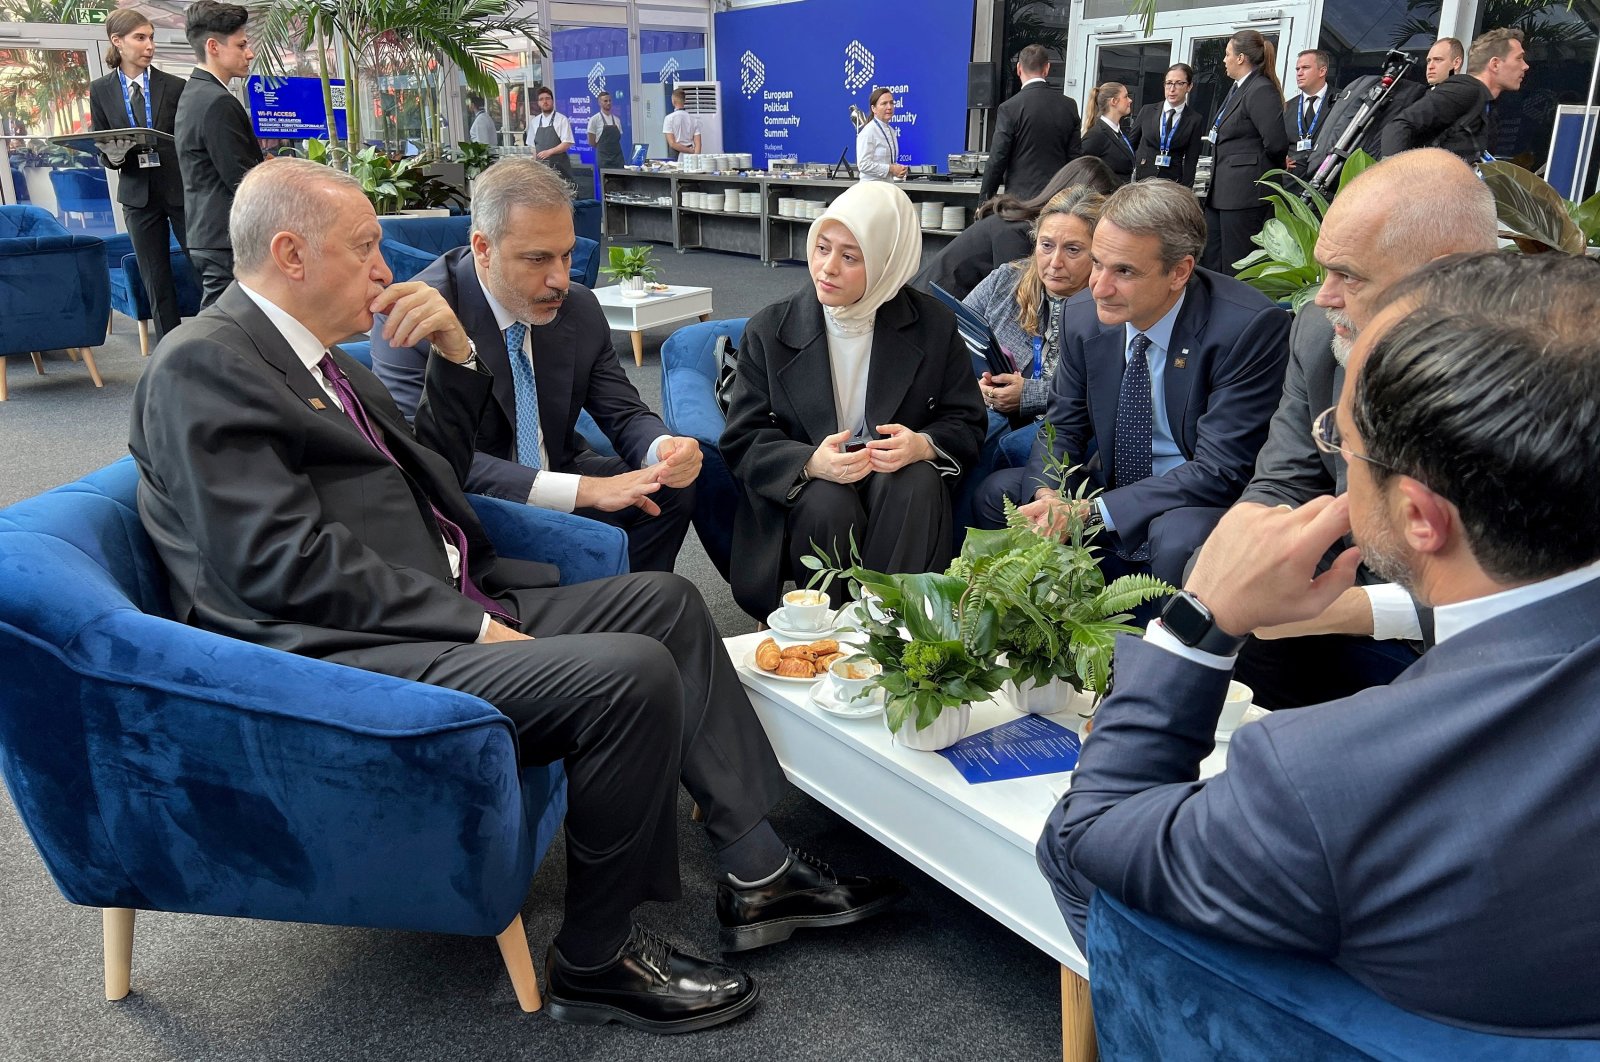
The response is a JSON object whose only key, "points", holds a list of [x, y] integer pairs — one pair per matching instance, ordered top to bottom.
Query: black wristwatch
{"points": [[1188, 620]]}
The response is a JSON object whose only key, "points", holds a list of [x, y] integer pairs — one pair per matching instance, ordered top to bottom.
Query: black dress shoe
{"points": [[808, 894], [650, 986]]}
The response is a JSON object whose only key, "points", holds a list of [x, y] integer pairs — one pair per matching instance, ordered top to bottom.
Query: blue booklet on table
{"points": [[1022, 748]]}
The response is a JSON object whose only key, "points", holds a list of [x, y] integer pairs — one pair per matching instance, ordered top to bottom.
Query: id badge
{"points": [[1211, 137], [1303, 145], [149, 160], [1163, 161], [1202, 176]]}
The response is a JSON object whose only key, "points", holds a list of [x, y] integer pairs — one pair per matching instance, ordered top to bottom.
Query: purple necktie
{"points": [[358, 416]]}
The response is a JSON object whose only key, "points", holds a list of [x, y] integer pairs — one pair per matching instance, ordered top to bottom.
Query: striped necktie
{"points": [[527, 397]]}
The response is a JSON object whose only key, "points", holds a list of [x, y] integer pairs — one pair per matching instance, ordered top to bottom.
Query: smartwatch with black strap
{"points": [[1187, 619]]}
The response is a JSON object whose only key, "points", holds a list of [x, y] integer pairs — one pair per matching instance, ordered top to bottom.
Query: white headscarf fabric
{"points": [[883, 221]]}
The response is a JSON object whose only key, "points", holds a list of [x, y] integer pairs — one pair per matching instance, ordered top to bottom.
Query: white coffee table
{"points": [[655, 309], [977, 840]]}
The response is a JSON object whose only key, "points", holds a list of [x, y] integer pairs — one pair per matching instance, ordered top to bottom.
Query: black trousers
{"points": [[148, 228], [1228, 234], [215, 268], [900, 520], [653, 541], [1295, 672], [628, 683]]}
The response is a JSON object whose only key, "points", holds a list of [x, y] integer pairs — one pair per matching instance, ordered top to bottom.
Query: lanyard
{"points": [[127, 103], [1222, 112], [1300, 121], [1168, 131], [888, 137], [1038, 358]]}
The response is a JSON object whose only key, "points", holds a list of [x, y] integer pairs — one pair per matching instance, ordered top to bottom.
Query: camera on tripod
{"points": [[1372, 99]]}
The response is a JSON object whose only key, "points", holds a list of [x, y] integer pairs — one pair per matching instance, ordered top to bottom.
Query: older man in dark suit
{"points": [[1037, 131], [216, 144], [512, 286], [1171, 371], [295, 508], [1394, 832]]}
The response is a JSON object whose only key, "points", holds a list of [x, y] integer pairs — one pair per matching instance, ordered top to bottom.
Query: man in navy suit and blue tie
{"points": [[1171, 372], [1434, 837]]}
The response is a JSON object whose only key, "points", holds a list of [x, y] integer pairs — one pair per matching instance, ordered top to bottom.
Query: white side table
{"points": [[655, 309]]}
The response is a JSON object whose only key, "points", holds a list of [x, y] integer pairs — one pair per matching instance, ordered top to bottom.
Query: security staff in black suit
{"points": [[1457, 113], [1303, 115], [1036, 131], [1104, 135], [1166, 136], [1247, 139], [216, 145], [149, 185], [515, 273], [294, 507]]}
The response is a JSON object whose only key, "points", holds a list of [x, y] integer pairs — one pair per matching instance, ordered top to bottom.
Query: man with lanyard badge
{"points": [[1302, 116], [550, 135], [605, 136]]}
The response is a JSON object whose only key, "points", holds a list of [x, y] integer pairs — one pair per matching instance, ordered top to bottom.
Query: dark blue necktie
{"points": [[136, 108], [527, 398], [1132, 448]]}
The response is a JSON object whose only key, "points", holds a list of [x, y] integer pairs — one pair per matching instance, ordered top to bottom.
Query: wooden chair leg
{"points": [[111, 319], [144, 338], [72, 352], [3, 363], [38, 363], [94, 371], [117, 926], [513, 941], [1077, 1020]]}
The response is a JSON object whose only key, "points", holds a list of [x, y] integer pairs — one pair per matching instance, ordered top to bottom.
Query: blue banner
{"points": [[587, 62], [783, 101], [293, 108]]}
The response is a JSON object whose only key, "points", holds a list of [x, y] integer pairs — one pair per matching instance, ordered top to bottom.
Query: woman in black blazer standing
{"points": [[1103, 133], [1248, 139], [149, 187], [854, 410]]}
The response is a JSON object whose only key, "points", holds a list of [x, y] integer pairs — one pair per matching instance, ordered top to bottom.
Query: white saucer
{"points": [[775, 625], [822, 698]]}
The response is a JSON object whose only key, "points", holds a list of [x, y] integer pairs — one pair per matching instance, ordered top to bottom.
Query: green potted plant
{"points": [[474, 158], [1535, 216], [630, 267], [1285, 267]]}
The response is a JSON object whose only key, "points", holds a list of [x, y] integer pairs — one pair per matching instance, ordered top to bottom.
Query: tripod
{"points": [[1395, 65]]}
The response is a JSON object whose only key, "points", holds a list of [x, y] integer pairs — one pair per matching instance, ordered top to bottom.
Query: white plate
{"points": [[775, 625], [750, 666], [824, 700]]}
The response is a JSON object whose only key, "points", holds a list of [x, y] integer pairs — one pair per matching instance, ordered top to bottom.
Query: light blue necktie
{"points": [[527, 397]]}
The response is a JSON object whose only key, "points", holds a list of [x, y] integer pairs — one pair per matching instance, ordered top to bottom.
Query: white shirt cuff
{"points": [[652, 456], [941, 460], [555, 490], [1105, 515], [1394, 613], [483, 628], [1159, 636]]}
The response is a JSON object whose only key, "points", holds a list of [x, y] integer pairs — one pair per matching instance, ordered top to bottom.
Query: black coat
{"points": [[1454, 115], [1036, 133], [1186, 140], [1250, 141], [216, 148], [1111, 149], [137, 186], [982, 247], [920, 375]]}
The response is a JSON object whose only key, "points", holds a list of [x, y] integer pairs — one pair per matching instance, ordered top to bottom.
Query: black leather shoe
{"points": [[807, 895], [651, 986]]}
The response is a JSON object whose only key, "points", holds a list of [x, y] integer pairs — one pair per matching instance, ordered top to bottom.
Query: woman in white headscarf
{"points": [[854, 410]]}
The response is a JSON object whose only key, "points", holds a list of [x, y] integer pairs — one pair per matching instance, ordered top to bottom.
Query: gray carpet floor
{"points": [[934, 979]]}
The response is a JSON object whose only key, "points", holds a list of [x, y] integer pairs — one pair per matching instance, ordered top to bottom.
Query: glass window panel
{"points": [[1141, 67], [44, 92]]}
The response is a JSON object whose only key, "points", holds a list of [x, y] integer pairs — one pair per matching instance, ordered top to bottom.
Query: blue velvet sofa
{"points": [[411, 244], [55, 293], [128, 296], [689, 408], [160, 767], [1165, 993]]}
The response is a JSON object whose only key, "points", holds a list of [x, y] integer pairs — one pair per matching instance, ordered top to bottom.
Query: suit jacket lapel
{"points": [[478, 320], [275, 351], [1105, 359], [894, 363], [1181, 371], [807, 377]]}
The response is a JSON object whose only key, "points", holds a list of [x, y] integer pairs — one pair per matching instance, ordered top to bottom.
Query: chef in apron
{"points": [[550, 135], [605, 136]]}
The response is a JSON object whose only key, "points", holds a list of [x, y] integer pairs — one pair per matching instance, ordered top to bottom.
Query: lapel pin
{"points": [[1181, 363], [317, 403]]}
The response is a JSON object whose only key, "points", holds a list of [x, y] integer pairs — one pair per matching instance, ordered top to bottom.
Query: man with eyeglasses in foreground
{"points": [[1377, 231], [1434, 837]]}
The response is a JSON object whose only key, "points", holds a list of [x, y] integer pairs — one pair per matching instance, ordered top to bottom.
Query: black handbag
{"points": [[727, 358]]}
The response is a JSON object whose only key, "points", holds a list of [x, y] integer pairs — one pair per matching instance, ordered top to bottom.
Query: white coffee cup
{"points": [[805, 610], [850, 681], [1233, 707]]}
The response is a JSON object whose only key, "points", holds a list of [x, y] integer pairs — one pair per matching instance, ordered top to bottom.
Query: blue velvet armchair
{"points": [[85, 193], [411, 244], [55, 293], [128, 296], [689, 408], [157, 766], [1165, 993]]}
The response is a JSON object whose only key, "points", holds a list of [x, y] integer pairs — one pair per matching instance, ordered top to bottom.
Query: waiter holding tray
{"points": [[877, 144], [151, 188]]}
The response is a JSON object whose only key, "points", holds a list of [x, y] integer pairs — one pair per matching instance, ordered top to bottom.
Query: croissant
{"points": [[824, 647], [767, 655], [825, 662], [793, 667]]}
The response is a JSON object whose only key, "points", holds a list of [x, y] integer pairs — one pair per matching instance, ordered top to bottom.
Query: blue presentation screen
{"points": [[790, 72], [293, 108]]}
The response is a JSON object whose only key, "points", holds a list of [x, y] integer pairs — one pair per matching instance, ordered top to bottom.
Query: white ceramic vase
{"points": [[632, 287], [1054, 696], [949, 728]]}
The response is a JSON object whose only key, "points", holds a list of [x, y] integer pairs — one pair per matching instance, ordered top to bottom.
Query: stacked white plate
{"points": [[744, 160], [731, 202], [750, 202], [786, 207], [816, 210], [932, 214], [954, 219]]}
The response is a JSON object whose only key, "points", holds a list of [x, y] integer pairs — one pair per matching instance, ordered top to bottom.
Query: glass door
{"points": [[1120, 54], [1141, 66], [44, 92]]}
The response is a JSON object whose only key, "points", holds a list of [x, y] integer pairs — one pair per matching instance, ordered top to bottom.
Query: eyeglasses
{"points": [[1175, 84], [1325, 432]]}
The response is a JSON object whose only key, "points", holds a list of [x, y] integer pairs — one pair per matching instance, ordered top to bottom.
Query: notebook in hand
{"points": [[976, 334]]}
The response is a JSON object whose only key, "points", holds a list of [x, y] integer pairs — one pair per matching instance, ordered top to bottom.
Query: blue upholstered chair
{"points": [[84, 193], [586, 216], [411, 244], [585, 262], [55, 293], [128, 296], [689, 408], [160, 767], [1165, 993]]}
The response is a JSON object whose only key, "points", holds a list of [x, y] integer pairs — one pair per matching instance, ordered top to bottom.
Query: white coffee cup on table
{"points": [[805, 610], [850, 680], [1234, 706]]}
